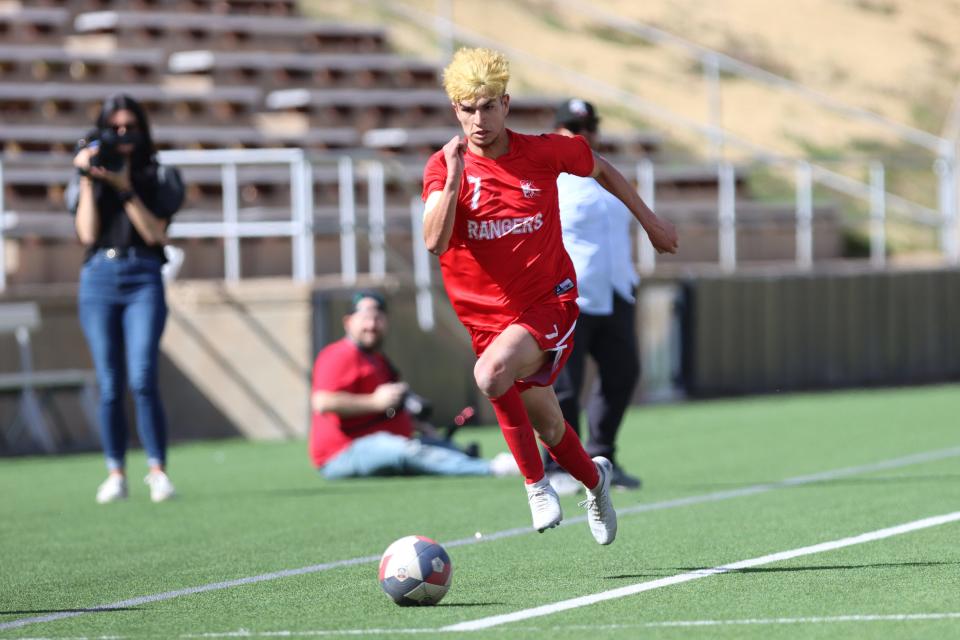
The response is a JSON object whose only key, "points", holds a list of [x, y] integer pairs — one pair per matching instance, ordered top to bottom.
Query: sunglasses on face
{"points": [[576, 128]]}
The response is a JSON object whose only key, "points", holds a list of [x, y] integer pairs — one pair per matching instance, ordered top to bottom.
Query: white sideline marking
{"points": [[835, 474], [751, 490], [715, 496], [621, 592], [169, 595], [895, 617], [243, 633]]}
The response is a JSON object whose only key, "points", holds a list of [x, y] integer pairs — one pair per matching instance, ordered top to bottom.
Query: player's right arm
{"points": [[440, 209]]}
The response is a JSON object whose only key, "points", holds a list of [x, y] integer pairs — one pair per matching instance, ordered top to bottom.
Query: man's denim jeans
{"points": [[384, 454]]}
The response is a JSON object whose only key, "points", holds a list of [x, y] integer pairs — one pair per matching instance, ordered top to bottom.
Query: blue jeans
{"points": [[122, 311], [387, 454]]}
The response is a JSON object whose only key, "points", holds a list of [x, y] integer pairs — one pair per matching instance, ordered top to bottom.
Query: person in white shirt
{"points": [[597, 235]]}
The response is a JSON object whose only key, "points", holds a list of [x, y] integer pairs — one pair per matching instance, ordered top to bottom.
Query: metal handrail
{"points": [[945, 166], [376, 172], [3, 228], [299, 228]]}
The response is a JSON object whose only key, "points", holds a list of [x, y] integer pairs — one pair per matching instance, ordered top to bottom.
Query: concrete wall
{"points": [[237, 359]]}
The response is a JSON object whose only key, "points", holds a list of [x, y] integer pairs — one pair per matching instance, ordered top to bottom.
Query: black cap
{"points": [[576, 115], [372, 295]]}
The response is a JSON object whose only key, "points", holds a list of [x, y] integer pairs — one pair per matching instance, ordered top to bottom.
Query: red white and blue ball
{"points": [[415, 570]]}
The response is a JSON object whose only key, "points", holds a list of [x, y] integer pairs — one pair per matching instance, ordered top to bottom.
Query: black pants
{"points": [[612, 343]]}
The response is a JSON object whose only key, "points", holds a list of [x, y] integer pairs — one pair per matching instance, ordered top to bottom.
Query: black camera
{"points": [[107, 141], [108, 157], [417, 406]]}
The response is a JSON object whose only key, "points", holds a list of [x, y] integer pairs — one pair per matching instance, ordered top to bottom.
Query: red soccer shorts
{"points": [[551, 325]]}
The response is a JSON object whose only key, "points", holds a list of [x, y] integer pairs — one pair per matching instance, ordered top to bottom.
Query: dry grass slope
{"points": [[896, 57]]}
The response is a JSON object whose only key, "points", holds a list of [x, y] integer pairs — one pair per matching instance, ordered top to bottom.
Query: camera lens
{"points": [[418, 406]]}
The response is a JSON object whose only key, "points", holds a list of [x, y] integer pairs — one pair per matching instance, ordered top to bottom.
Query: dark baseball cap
{"points": [[577, 115], [372, 295]]}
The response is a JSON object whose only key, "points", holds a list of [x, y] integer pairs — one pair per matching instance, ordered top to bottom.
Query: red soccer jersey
{"points": [[506, 253], [343, 366]]}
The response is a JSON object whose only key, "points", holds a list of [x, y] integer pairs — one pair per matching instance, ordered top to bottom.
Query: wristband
{"points": [[125, 196]]}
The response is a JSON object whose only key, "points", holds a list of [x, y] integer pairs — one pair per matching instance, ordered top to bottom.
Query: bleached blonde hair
{"points": [[476, 73]]}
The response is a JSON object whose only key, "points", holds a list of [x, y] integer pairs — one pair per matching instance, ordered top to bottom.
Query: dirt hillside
{"points": [[896, 57]]}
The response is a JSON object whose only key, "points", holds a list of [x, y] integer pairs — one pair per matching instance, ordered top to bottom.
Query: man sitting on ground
{"points": [[360, 427]]}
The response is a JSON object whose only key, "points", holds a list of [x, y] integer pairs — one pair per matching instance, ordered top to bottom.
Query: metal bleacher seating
{"points": [[206, 7], [34, 25], [177, 31], [50, 63], [327, 70], [233, 74], [79, 103], [411, 108], [19, 140], [426, 140]]}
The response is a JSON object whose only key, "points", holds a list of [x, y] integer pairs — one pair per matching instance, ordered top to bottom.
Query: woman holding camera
{"points": [[123, 201]]}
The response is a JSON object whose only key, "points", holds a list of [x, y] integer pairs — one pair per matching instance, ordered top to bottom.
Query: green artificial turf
{"points": [[247, 509]]}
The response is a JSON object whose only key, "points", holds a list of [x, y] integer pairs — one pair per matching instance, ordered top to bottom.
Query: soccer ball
{"points": [[415, 570]]}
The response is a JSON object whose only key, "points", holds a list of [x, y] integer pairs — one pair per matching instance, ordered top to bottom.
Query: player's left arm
{"points": [[662, 233]]}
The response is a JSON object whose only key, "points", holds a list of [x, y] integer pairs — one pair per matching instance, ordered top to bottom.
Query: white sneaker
{"points": [[504, 464], [564, 483], [160, 486], [112, 489], [544, 505], [600, 512]]}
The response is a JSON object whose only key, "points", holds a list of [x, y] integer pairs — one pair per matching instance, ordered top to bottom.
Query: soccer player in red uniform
{"points": [[491, 214]]}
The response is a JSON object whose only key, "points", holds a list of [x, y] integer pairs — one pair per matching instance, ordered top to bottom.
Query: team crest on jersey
{"points": [[529, 189]]}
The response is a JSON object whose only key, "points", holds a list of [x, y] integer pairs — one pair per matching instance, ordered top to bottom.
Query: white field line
{"points": [[833, 474], [750, 490], [715, 496], [629, 590], [894, 617], [305, 633], [308, 633]]}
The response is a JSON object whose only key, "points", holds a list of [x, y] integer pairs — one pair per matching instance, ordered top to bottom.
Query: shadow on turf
{"points": [[374, 484], [349, 487], [323, 490], [666, 571], [469, 604], [97, 610]]}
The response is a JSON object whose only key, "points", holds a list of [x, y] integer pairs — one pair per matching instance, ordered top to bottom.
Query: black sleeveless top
{"points": [[158, 187]]}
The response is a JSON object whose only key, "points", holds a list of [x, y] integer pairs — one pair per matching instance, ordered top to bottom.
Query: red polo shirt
{"points": [[343, 366]]}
